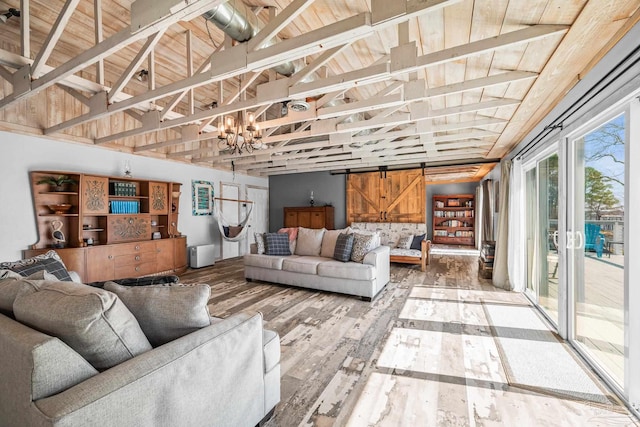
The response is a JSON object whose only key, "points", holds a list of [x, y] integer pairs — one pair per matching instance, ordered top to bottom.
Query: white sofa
{"points": [[391, 232], [364, 279]]}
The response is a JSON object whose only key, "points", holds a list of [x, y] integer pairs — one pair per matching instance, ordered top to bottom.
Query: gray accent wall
{"points": [[436, 189], [294, 190]]}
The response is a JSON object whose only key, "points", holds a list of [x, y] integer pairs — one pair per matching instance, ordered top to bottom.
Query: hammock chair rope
{"points": [[224, 225]]}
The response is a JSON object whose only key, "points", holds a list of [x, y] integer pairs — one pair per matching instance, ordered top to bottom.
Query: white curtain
{"points": [[516, 236], [501, 260]]}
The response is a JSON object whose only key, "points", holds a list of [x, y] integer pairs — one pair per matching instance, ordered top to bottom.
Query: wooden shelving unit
{"points": [[454, 219], [115, 226]]}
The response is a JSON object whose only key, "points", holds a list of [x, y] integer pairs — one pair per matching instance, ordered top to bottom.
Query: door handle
{"points": [[580, 239]]}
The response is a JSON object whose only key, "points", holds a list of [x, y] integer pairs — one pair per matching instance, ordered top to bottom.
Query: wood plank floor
{"points": [[420, 354]]}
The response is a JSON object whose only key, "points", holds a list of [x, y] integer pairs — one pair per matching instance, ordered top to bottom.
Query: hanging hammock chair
{"points": [[232, 233]]}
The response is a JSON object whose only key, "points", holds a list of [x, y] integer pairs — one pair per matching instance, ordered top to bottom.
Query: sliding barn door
{"points": [[395, 196]]}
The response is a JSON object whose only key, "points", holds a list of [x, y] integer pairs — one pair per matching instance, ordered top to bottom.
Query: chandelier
{"points": [[236, 138]]}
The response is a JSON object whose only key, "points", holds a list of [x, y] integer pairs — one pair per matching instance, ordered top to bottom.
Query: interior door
{"points": [[404, 196], [364, 203], [259, 221]]}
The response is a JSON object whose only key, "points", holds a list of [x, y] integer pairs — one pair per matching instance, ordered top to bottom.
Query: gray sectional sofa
{"points": [[314, 268], [99, 368]]}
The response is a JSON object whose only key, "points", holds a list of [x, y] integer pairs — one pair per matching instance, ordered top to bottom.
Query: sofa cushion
{"points": [[293, 237], [329, 239], [309, 241], [405, 242], [417, 242], [260, 243], [362, 243], [277, 244], [344, 246], [414, 253], [263, 261], [50, 262], [306, 265], [348, 270], [11, 287], [166, 312], [92, 321], [271, 349]]}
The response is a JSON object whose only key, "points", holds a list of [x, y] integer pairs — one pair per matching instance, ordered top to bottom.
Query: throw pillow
{"points": [[293, 236], [329, 239], [309, 241], [405, 242], [417, 242], [260, 244], [277, 244], [362, 244], [344, 246], [50, 262], [166, 312], [92, 321]]}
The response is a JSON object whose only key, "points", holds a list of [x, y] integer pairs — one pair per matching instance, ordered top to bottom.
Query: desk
{"points": [[610, 245]]}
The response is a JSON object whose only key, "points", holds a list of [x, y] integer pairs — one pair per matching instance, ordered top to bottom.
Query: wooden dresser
{"points": [[309, 217]]}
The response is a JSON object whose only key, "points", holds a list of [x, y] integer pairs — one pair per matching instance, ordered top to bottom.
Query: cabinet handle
{"points": [[380, 215], [385, 216], [137, 248], [110, 256], [137, 257], [137, 268]]}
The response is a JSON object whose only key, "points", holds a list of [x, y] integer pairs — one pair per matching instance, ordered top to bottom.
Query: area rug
{"points": [[536, 359]]}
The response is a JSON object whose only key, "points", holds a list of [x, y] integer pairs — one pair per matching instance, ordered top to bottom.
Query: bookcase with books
{"points": [[454, 219]]}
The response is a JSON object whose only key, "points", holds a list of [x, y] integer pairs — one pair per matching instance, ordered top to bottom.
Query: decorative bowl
{"points": [[60, 208]]}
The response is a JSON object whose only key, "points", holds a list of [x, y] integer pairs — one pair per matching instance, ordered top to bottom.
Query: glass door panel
{"points": [[541, 218], [598, 246]]}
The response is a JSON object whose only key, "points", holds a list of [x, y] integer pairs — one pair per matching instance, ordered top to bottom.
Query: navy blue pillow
{"points": [[417, 241], [277, 244], [344, 246]]}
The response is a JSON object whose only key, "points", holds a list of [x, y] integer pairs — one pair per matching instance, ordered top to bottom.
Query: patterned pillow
{"points": [[293, 237], [405, 242], [417, 242], [260, 244], [277, 244], [362, 244], [344, 246], [50, 262], [166, 312]]}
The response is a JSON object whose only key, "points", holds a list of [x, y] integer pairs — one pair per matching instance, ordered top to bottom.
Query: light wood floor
{"points": [[420, 354]]}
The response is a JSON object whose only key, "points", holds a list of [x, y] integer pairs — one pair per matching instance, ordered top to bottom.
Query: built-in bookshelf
{"points": [[454, 219]]}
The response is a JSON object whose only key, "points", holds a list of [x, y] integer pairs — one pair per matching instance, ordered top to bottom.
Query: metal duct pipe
{"points": [[238, 21]]}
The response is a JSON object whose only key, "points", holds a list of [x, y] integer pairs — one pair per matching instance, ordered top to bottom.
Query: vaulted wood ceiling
{"points": [[394, 83]]}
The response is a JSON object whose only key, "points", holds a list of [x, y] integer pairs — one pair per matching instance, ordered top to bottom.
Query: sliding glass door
{"points": [[541, 229], [597, 267]]}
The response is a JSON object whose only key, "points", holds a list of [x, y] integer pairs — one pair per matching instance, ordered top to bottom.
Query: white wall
{"points": [[20, 154]]}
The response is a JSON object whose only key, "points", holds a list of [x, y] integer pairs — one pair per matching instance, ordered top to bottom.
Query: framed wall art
{"points": [[202, 197]]}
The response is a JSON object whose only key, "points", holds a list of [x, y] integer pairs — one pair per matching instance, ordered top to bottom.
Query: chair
{"points": [[593, 239]]}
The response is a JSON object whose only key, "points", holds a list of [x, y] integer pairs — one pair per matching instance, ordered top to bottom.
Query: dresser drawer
{"points": [[136, 248], [134, 258], [135, 270]]}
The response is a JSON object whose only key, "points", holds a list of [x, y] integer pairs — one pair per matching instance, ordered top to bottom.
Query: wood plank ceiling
{"points": [[389, 83]]}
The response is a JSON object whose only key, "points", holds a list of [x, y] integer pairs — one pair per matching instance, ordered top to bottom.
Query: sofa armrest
{"points": [[379, 258], [213, 376]]}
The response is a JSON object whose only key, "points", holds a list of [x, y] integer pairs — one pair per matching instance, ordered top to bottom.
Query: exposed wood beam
{"points": [[291, 12], [25, 20], [99, 36], [53, 37], [109, 46], [324, 57], [135, 64], [151, 67], [204, 67], [6, 74], [190, 98]]}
